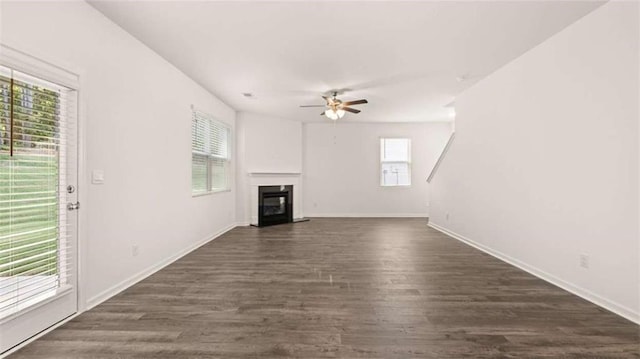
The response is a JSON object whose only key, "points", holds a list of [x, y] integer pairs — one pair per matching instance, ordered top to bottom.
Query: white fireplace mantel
{"points": [[273, 174], [271, 178]]}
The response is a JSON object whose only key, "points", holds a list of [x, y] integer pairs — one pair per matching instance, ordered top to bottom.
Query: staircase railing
{"points": [[442, 154]]}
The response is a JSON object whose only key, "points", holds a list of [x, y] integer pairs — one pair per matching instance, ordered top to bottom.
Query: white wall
{"points": [[138, 128], [265, 144], [270, 144], [544, 166], [342, 168]]}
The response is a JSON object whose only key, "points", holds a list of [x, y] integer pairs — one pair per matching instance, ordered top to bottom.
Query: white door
{"points": [[38, 232]]}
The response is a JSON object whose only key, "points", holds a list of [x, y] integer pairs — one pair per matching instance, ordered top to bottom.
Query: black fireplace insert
{"points": [[275, 205]]}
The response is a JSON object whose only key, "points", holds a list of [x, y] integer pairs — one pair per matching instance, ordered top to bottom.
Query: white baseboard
{"points": [[369, 215], [569, 287], [110, 292], [37, 336]]}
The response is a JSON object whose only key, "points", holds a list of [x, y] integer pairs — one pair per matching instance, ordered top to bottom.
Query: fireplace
{"points": [[275, 205]]}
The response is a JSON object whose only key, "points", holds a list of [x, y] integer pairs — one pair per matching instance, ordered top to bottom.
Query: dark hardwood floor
{"points": [[341, 288]]}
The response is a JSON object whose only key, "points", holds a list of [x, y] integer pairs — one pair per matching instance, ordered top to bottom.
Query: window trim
{"points": [[196, 113], [381, 162]]}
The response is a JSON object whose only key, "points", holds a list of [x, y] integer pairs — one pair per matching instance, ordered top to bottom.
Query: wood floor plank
{"points": [[341, 288]]}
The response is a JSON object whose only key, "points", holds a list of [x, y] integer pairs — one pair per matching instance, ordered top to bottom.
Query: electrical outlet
{"points": [[135, 250], [584, 261]]}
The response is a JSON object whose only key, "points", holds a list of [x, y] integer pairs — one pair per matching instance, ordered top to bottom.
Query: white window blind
{"points": [[36, 120], [210, 154], [395, 162]]}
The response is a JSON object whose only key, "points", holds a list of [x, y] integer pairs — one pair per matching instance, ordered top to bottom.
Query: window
{"points": [[37, 147], [210, 154], [395, 162]]}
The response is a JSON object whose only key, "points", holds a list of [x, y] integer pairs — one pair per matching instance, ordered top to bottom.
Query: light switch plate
{"points": [[97, 177]]}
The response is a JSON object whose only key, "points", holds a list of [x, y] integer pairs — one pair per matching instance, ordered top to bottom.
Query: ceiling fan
{"points": [[336, 108]]}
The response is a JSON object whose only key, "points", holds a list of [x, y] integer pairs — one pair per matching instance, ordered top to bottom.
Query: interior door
{"points": [[38, 205]]}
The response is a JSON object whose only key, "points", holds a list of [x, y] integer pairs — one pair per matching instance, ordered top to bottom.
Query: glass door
{"points": [[38, 202]]}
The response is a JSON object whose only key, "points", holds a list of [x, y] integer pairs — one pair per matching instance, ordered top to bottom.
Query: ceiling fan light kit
{"points": [[336, 109], [334, 115]]}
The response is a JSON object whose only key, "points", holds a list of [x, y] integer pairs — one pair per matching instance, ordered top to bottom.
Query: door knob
{"points": [[73, 206]]}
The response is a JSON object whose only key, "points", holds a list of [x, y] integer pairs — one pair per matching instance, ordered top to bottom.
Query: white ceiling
{"points": [[404, 57]]}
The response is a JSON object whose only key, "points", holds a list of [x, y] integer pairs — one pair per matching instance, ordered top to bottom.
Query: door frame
{"points": [[34, 62]]}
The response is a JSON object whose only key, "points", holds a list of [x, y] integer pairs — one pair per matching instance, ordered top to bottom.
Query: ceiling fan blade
{"points": [[328, 99], [356, 102], [313, 105], [352, 110]]}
